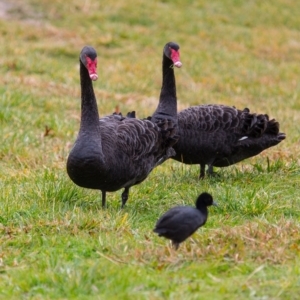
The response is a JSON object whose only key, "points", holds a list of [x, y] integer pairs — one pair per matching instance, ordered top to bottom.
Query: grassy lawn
{"points": [[56, 242]]}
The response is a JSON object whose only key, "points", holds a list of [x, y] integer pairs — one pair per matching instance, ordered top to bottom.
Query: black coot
{"points": [[180, 222]]}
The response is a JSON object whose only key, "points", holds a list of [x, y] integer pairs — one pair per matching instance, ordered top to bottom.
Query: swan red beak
{"points": [[175, 56], [92, 68]]}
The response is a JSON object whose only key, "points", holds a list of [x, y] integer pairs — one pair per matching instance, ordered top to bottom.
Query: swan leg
{"points": [[210, 170], [202, 171], [125, 196], [103, 198]]}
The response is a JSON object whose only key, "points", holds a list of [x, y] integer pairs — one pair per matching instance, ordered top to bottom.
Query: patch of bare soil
{"points": [[18, 10]]}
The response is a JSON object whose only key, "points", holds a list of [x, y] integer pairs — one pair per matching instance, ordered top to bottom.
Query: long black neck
{"points": [[167, 106], [89, 109]]}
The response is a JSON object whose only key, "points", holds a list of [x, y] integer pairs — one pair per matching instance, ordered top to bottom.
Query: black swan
{"points": [[213, 135], [219, 135], [114, 152], [180, 222]]}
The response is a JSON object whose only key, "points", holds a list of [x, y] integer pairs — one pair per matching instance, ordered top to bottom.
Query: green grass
{"points": [[56, 242]]}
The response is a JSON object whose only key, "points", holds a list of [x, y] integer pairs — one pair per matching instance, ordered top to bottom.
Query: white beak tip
{"points": [[94, 76]]}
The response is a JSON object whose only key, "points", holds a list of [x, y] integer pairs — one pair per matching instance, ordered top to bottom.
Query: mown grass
{"points": [[56, 242]]}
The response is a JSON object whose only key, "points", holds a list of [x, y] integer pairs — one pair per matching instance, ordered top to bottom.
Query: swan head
{"points": [[171, 51], [88, 57]]}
